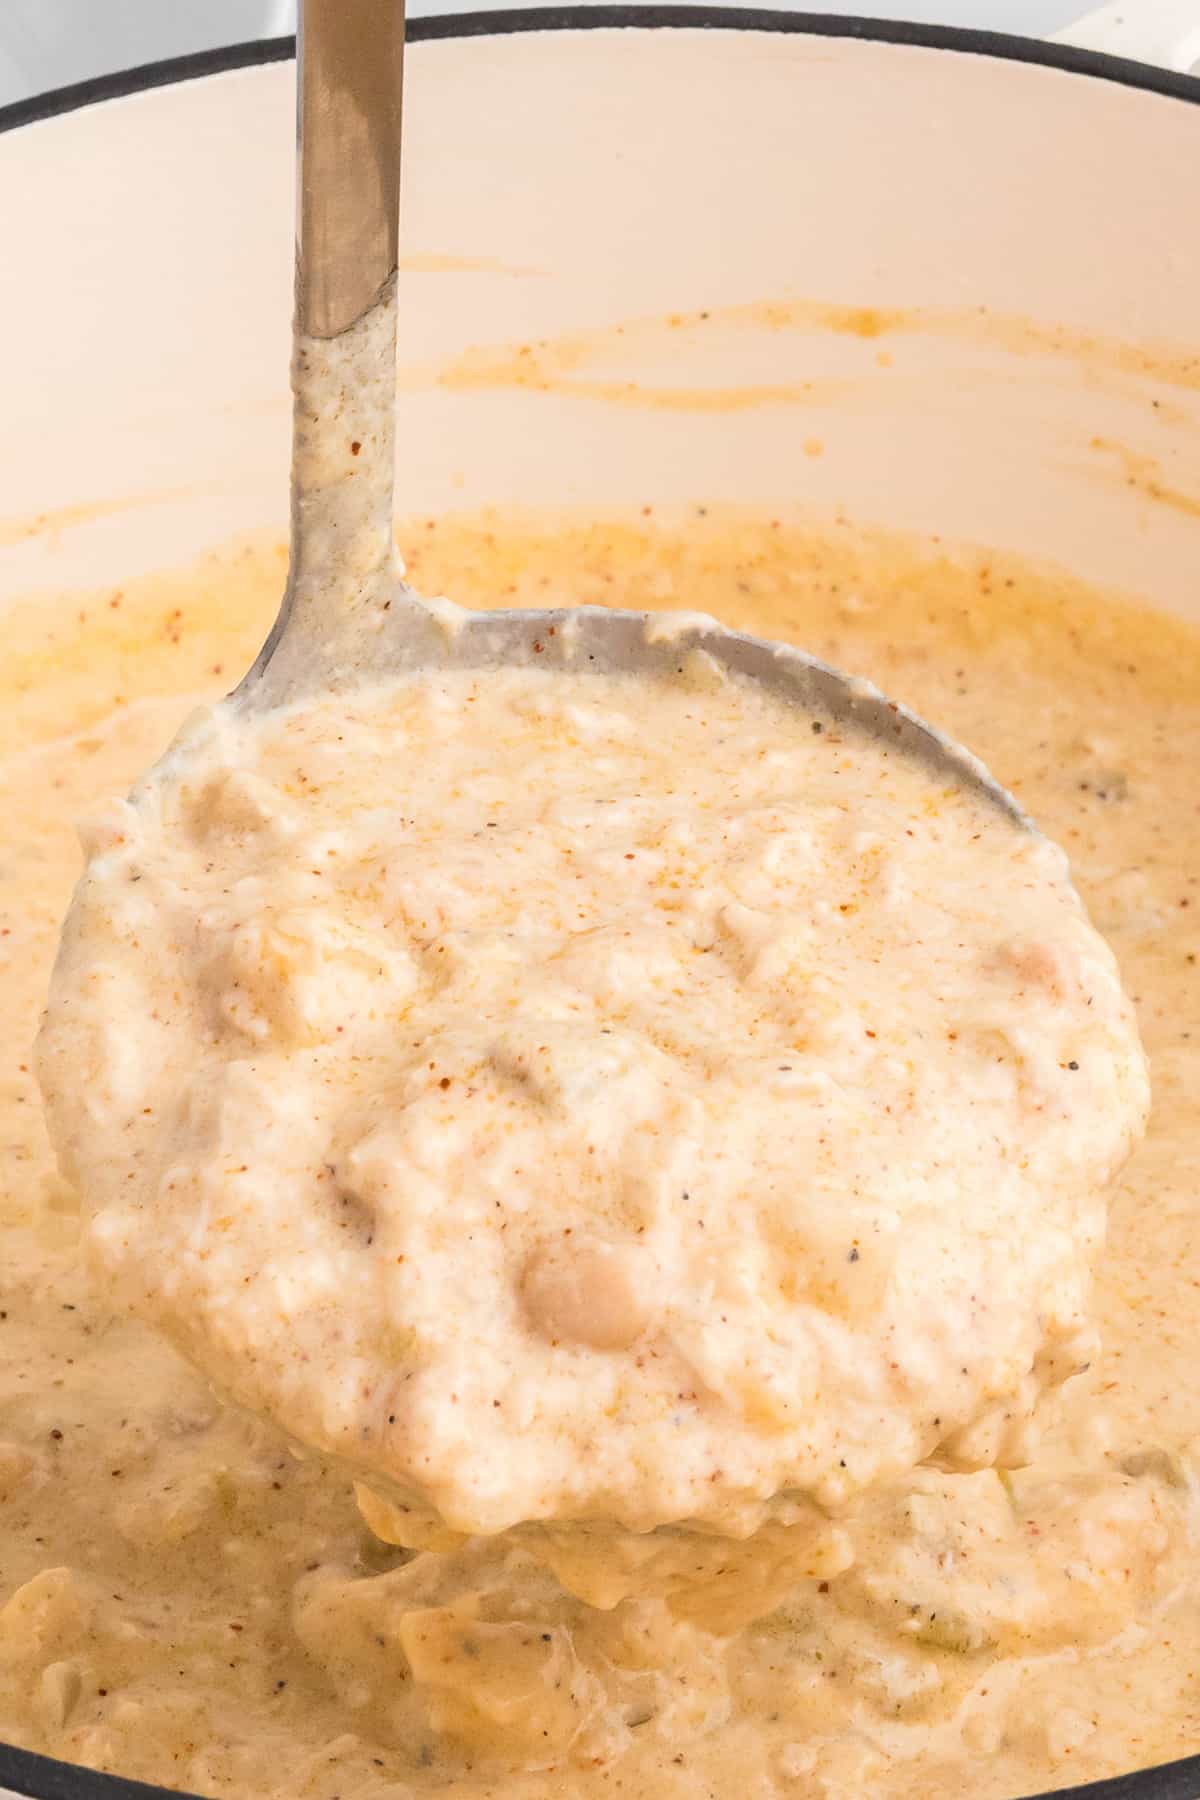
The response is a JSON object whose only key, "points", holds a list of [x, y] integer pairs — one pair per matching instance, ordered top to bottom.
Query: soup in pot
{"points": [[185, 1599]]}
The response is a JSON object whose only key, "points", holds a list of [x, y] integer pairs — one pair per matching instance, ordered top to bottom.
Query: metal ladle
{"points": [[347, 616]]}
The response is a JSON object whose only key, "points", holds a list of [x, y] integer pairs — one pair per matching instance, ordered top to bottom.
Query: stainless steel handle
{"points": [[349, 66], [343, 569]]}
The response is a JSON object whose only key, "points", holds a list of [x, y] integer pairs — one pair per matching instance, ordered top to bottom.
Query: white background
{"points": [[48, 43]]}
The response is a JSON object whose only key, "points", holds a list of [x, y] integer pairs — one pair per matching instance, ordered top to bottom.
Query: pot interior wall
{"points": [[911, 287]]}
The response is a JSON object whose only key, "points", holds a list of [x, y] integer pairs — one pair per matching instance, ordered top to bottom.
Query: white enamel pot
{"points": [[966, 266]]}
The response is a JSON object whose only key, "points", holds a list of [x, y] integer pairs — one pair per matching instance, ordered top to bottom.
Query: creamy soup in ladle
{"points": [[587, 1097]]}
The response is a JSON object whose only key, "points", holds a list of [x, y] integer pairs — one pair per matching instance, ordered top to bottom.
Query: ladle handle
{"points": [[349, 65], [343, 571]]}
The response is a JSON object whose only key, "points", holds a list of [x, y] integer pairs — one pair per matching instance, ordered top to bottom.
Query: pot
{"points": [[949, 286]]}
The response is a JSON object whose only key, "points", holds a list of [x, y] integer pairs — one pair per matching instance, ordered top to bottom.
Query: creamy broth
{"points": [[574, 1096], [186, 1601]]}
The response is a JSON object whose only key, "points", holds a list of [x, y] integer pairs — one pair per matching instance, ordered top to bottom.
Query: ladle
{"points": [[347, 617]]}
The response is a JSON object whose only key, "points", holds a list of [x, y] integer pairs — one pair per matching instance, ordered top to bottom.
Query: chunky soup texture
{"points": [[575, 1096], [185, 1599]]}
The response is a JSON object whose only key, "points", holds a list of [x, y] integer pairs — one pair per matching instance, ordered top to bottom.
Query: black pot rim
{"points": [[642, 17], [43, 1777]]}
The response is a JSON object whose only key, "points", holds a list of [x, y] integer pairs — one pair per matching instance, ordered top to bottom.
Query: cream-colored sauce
{"points": [[581, 1096], [182, 1599]]}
